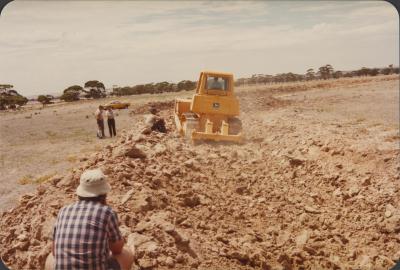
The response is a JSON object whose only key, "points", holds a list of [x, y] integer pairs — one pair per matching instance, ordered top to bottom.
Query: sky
{"points": [[46, 46]]}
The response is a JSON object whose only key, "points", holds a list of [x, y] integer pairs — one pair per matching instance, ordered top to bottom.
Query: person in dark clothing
{"points": [[111, 122], [158, 124]]}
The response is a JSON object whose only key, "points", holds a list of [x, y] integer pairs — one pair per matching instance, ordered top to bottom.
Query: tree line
{"points": [[323, 73], [154, 88], [94, 89]]}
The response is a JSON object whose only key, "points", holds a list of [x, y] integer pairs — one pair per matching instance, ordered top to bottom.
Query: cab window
{"points": [[216, 83]]}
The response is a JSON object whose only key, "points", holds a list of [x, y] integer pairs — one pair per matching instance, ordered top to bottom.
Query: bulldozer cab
{"points": [[218, 84], [211, 114]]}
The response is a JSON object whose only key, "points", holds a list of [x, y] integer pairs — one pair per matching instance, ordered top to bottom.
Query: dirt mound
{"points": [[260, 101], [157, 106], [289, 198]]}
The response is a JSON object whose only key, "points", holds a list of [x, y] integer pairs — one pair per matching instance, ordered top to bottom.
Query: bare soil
{"points": [[314, 186]]}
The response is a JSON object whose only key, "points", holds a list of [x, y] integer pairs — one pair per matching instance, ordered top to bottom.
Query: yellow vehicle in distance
{"points": [[117, 105], [211, 114]]}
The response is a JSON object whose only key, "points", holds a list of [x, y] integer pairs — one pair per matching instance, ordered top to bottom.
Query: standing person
{"points": [[111, 121], [100, 122], [86, 232]]}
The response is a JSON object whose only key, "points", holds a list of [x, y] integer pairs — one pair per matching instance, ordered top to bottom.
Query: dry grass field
{"points": [[39, 143]]}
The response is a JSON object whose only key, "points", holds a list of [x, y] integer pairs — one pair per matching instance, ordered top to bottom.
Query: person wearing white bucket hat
{"points": [[92, 183], [86, 233]]}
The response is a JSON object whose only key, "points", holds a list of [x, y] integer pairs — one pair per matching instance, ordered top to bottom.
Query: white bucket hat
{"points": [[92, 183]]}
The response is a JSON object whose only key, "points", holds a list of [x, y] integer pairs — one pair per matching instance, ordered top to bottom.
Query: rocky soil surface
{"points": [[308, 189]]}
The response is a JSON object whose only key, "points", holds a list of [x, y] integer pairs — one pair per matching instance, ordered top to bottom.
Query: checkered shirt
{"points": [[82, 234]]}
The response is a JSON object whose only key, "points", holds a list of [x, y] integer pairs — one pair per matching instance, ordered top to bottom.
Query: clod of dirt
{"points": [[129, 151], [312, 210], [147, 263]]}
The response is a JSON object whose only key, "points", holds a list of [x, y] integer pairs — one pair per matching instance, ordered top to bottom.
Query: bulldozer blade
{"points": [[216, 137]]}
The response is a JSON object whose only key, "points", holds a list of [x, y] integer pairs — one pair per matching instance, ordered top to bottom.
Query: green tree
{"points": [[329, 68], [325, 71], [363, 71], [385, 71], [373, 72], [310, 74], [337, 74], [95, 84], [186, 85], [75, 88], [95, 88], [72, 93], [94, 93], [69, 96], [9, 98], [44, 99], [20, 100], [11, 101], [3, 103]]}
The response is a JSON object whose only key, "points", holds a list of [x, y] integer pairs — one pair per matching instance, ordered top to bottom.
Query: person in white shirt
{"points": [[100, 122], [111, 122]]}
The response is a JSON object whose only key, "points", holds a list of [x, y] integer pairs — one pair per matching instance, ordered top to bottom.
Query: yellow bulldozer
{"points": [[211, 114]]}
